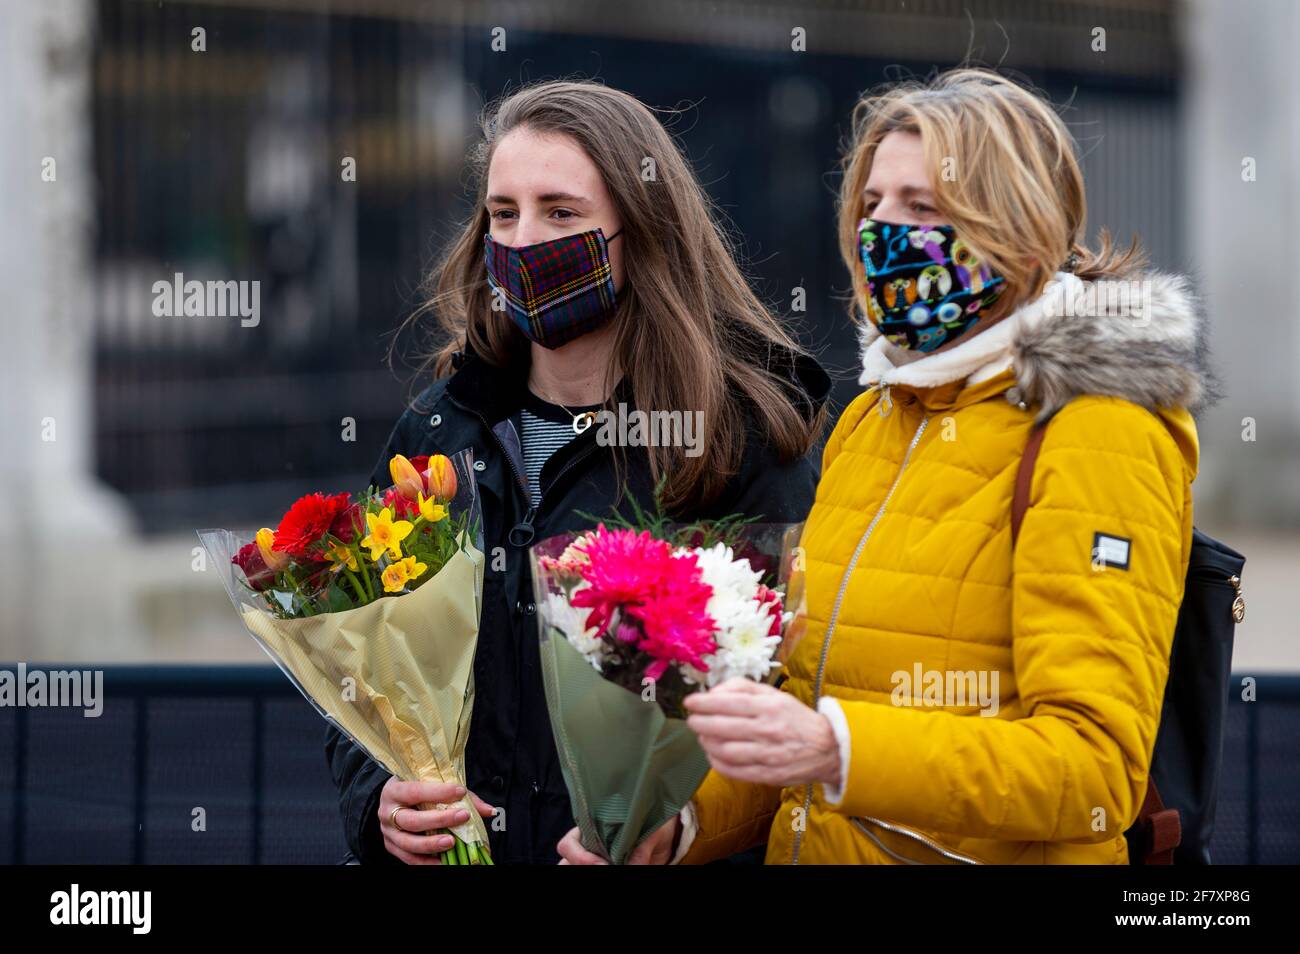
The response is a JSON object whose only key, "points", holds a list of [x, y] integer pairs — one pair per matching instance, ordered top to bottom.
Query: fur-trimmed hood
{"points": [[1143, 340]]}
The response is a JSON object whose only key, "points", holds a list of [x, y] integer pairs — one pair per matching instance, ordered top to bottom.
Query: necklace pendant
{"points": [[583, 421]]}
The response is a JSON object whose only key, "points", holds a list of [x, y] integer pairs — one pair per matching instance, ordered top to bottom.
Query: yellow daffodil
{"points": [[442, 477], [406, 478], [431, 510], [385, 534], [341, 557], [274, 559], [396, 575]]}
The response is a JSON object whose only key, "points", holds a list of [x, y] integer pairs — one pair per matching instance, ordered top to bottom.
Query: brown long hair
{"points": [[1015, 190], [689, 332]]}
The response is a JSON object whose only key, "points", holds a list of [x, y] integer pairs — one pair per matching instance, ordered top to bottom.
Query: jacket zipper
{"points": [[577, 458], [532, 511], [531, 514], [527, 521], [835, 611], [914, 835]]}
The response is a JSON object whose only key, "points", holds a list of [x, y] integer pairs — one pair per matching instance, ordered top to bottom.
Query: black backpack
{"points": [[1177, 817]]}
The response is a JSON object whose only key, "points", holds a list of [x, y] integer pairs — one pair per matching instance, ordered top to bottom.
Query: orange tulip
{"points": [[442, 477], [406, 478]]}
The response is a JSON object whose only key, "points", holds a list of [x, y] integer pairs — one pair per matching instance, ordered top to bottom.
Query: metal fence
{"points": [[243, 746], [235, 749]]}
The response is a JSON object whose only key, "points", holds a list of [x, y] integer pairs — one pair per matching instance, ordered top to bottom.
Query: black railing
{"points": [[237, 742], [241, 744]]}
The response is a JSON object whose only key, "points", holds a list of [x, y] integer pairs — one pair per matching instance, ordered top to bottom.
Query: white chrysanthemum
{"points": [[734, 583], [571, 621], [745, 649]]}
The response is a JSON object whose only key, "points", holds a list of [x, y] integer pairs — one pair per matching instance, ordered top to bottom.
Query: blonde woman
{"points": [[577, 286], [957, 697]]}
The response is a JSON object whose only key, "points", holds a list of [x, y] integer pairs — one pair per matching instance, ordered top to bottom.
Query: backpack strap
{"points": [[1025, 477], [1162, 826]]}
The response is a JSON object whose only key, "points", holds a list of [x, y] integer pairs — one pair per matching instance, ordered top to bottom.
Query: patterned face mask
{"points": [[925, 286], [555, 291]]}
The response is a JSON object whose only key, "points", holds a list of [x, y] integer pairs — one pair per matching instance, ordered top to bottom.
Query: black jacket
{"points": [[511, 761]]}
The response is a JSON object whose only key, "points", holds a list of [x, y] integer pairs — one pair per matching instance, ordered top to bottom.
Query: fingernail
{"points": [[460, 790], [462, 816]]}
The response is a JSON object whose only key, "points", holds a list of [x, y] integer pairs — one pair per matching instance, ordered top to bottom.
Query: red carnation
{"points": [[307, 521], [249, 559]]}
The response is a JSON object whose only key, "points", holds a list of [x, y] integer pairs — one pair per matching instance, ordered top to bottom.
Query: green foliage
{"points": [[700, 533], [336, 599]]}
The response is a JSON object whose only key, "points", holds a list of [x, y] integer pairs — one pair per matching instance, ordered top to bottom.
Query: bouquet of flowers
{"points": [[370, 605], [632, 620]]}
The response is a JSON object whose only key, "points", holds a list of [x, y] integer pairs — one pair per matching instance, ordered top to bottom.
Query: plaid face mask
{"points": [[556, 290]]}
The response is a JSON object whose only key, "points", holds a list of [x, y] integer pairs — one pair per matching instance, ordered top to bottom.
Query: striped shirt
{"points": [[543, 429]]}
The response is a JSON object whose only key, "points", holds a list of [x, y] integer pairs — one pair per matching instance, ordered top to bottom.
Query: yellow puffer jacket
{"points": [[911, 577]]}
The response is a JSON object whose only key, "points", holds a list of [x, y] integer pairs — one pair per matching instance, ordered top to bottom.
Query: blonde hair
{"points": [[1014, 192], [689, 332]]}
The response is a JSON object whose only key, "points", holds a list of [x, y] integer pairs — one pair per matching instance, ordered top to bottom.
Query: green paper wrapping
{"points": [[628, 766]]}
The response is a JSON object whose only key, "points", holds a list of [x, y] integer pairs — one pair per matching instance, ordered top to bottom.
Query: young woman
{"points": [[591, 274], [959, 697]]}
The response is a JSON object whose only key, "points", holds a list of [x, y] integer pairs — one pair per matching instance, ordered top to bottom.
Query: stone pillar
{"points": [[1243, 106], [60, 529]]}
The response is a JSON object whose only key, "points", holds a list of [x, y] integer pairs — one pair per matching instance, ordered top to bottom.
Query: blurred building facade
{"points": [[226, 163]]}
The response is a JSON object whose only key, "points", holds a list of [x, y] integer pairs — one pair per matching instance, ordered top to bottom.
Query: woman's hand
{"points": [[754, 733], [410, 843], [655, 850]]}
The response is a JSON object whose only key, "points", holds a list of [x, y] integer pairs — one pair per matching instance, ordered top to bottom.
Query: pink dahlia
{"points": [[624, 568], [638, 574], [677, 626]]}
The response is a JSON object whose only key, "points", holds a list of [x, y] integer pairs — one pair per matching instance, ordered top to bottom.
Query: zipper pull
{"points": [[885, 403], [521, 534], [1239, 604]]}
